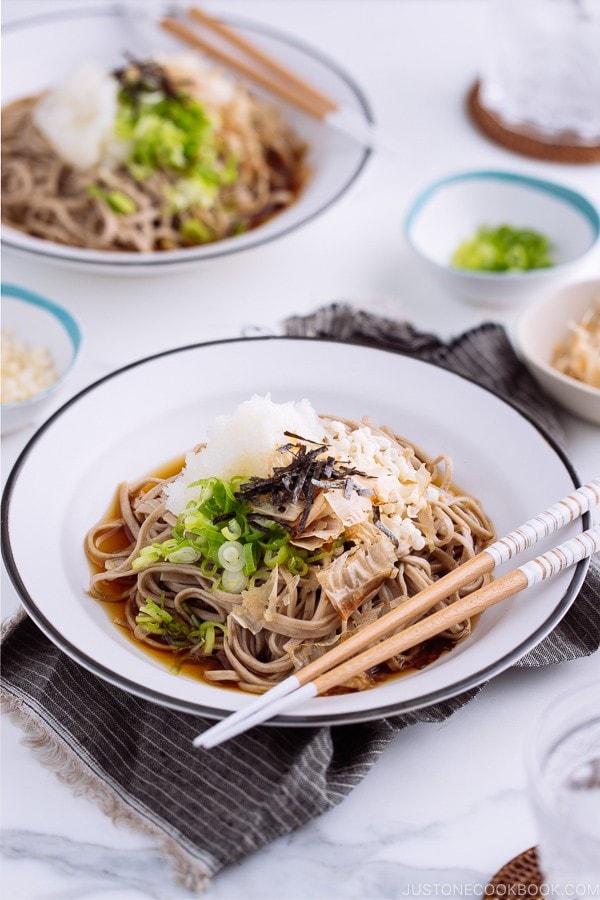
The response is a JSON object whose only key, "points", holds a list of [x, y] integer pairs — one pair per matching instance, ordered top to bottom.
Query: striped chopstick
{"points": [[271, 74], [272, 78], [322, 103], [336, 666]]}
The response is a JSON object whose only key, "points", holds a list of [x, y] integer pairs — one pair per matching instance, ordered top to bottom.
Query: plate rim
{"points": [[157, 259], [475, 680]]}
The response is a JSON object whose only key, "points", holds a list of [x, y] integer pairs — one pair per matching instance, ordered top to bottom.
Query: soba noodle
{"points": [[46, 196], [286, 616]]}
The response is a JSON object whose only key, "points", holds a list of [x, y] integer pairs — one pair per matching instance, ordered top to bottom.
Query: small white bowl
{"points": [[452, 209], [38, 323], [540, 328]]}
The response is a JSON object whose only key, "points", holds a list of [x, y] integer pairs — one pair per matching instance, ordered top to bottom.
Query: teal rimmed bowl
{"points": [[451, 210], [42, 324]]}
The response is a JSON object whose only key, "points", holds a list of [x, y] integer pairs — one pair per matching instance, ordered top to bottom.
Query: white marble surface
{"points": [[446, 806]]}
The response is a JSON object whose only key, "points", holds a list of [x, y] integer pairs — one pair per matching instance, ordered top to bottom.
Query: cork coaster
{"points": [[525, 143], [523, 870]]}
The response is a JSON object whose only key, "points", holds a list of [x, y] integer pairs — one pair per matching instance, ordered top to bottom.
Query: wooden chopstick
{"points": [[260, 56], [275, 77], [500, 551], [545, 566], [542, 567], [465, 608]]}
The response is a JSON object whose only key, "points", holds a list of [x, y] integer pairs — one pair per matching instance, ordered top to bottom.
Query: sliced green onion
{"points": [[118, 201], [121, 203], [195, 232], [504, 249], [232, 531], [217, 532], [167, 547], [148, 556], [183, 556], [231, 556], [276, 556], [250, 559], [297, 566], [209, 568], [234, 582], [153, 617], [206, 633], [209, 638]]}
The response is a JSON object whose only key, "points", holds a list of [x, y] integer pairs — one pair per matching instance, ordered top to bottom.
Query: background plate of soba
{"points": [[40, 52], [136, 420]]}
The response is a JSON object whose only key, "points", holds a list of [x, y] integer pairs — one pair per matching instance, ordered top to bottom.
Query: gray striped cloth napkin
{"points": [[209, 809]]}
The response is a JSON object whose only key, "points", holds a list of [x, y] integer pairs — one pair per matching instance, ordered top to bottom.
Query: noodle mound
{"points": [[44, 195], [356, 543]]}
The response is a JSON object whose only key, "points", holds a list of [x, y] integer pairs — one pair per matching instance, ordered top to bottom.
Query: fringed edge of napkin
{"points": [[57, 756]]}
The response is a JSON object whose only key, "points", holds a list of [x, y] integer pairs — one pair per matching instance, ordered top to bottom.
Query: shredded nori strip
{"points": [[142, 77], [298, 437], [301, 479], [379, 524]]}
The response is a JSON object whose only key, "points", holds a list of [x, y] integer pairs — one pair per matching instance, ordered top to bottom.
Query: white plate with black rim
{"points": [[40, 51], [160, 407]]}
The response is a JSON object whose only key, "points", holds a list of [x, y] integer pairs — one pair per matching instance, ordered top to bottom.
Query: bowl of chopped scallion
{"points": [[495, 238]]}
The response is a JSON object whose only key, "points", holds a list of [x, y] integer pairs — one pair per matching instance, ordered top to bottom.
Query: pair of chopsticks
{"points": [[271, 74], [360, 652]]}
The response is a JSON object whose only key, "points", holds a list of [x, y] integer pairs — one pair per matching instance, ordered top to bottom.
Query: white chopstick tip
{"points": [[351, 123], [285, 687], [255, 716]]}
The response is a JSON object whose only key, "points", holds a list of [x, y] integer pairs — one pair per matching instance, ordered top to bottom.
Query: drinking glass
{"points": [[540, 72], [563, 762]]}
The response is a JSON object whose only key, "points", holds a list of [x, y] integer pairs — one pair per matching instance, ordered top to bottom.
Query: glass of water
{"points": [[540, 72], [563, 762]]}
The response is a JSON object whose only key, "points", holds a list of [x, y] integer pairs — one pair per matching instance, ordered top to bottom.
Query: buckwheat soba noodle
{"points": [[154, 156], [284, 533]]}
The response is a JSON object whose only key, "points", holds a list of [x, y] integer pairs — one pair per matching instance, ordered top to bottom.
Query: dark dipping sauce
{"points": [[116, 609], [428, 652]]}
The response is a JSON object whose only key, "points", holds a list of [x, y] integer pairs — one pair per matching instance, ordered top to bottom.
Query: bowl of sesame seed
{"points": [[41, 342]]}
